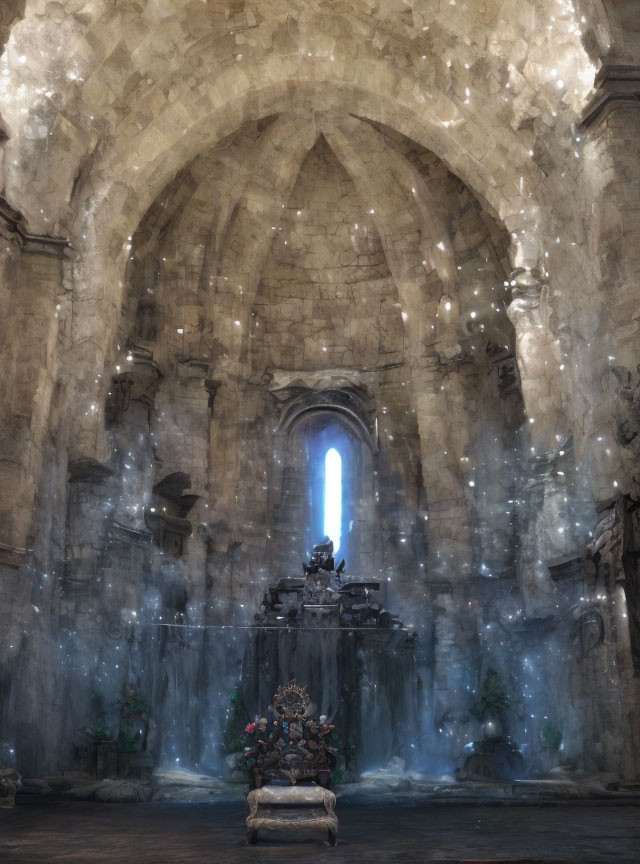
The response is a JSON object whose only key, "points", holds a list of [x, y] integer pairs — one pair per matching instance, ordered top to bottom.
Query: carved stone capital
{"points": [[616, 87], [526, 283], [526, 286], [546, 464], [12, 556]]}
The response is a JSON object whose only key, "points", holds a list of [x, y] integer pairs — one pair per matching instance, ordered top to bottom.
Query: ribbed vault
{"points": [[153, 78], [106, 103], [232, 200]]}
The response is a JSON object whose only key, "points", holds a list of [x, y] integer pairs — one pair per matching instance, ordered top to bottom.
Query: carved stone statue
{"points": [[615, 553], [321, 558], [324, 597]]}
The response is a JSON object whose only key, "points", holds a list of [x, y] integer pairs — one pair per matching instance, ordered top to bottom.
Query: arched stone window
{"points": [[329, 456], [327, 484], [332, 503]]}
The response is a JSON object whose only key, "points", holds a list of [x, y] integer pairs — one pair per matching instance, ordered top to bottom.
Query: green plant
{"points": [[492, 699], [133, 704], [132, 708], [97, 732], [551, 735], [235, 737], [127, 743], [346, 748]]}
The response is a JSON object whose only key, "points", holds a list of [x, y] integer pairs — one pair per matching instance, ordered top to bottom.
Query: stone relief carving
{"points": [[629, 393], [294, 400], [615, 553], [591, 629]]}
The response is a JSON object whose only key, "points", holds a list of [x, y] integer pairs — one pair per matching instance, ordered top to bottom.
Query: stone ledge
{"points": [[616, 87], [38, 244], [12, 556], [188, 787], [520, 792]]}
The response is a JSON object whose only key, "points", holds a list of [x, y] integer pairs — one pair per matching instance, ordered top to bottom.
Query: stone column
{"points": [[611, 133], [32, 306], [33, 312], [539, 360], [438, 394], [438, 399], [226, 425], [180, 431], [544, 498], [11, 537]]}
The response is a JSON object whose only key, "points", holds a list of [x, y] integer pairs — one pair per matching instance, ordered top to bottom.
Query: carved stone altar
{"points": [[324, 597], [336, 633], [290, 809]]}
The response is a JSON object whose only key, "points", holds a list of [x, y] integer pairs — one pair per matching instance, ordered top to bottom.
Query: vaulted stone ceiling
{"points": [[98, 91], [106, 102], [234, 201]]}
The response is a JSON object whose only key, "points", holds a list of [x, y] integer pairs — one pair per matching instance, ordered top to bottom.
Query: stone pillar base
{"points": [[10, 782]]}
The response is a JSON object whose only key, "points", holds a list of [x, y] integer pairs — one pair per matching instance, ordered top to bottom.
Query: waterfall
{"points": [[365, 681]]}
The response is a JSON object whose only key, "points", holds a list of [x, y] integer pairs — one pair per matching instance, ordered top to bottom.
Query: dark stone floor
{"points": [[92, 833]]}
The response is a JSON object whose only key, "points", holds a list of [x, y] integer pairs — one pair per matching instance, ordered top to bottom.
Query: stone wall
{"points": [[431, 207]]}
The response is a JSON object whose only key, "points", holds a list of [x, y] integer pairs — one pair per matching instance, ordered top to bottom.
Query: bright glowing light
{"points": [[333, 496]]}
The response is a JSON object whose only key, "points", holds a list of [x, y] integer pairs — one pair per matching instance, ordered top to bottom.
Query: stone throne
{"points": [[290, 746], [290, 764]]}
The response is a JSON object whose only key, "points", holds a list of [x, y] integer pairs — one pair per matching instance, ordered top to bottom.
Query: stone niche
{"points": [[166, 517]]}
